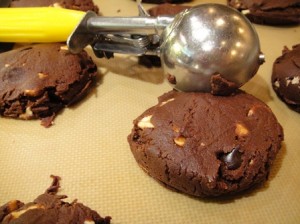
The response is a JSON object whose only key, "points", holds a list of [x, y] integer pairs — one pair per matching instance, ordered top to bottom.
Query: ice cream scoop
{"points": [[210, 40], [194, 46]]}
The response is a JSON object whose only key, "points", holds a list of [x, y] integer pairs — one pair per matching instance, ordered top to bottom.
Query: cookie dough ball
{"points": [[271, 12], [286, 77], [38, 81], [205, 145]]}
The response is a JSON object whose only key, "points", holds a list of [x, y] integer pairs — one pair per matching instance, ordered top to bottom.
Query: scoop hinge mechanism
{"points": [[126, 35]]}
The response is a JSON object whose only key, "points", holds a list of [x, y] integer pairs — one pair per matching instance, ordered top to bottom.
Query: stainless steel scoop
{"points": [[208, 40], [195, 45]]}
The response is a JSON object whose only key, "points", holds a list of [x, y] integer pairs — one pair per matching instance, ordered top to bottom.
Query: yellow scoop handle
{"points": [[40, 24]]}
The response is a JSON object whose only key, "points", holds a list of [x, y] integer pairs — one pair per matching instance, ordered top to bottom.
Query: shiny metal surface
{"points": [[100, 30], [206, 40]]}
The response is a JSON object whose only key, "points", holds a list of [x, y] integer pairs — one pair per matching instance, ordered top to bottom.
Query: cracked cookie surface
{"points": [[205, 145]]}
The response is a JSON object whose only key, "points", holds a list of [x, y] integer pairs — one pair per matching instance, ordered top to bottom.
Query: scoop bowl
{"points": [[209, 40]]}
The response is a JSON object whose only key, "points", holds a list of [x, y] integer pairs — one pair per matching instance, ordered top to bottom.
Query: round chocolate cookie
{"points": [[82, 5], [163, 9], [271, 12], [286, 77], [39, 80], [205, 145], [49, 208]]}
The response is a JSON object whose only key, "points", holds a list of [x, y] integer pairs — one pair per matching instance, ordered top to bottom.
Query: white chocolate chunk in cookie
{"points": [[57, 5], [246, 11], [65, 48], [42, 75], [296, 80], [277, 84], [30, 92], [167, 101], [250, 112], [27, 115], [146, 122], [176, 129], [241, 130], [180, 141], [251, 162], [17, 214]]}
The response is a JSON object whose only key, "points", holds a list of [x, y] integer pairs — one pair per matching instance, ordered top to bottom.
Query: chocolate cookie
{"points": [[82, 5], [164, 9], [272, 12], [286, 77], [38, 81], [205, 145], [49, 208]]}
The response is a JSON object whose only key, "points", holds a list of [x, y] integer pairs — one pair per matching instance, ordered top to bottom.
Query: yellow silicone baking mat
{"points": [[88, 148]]}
